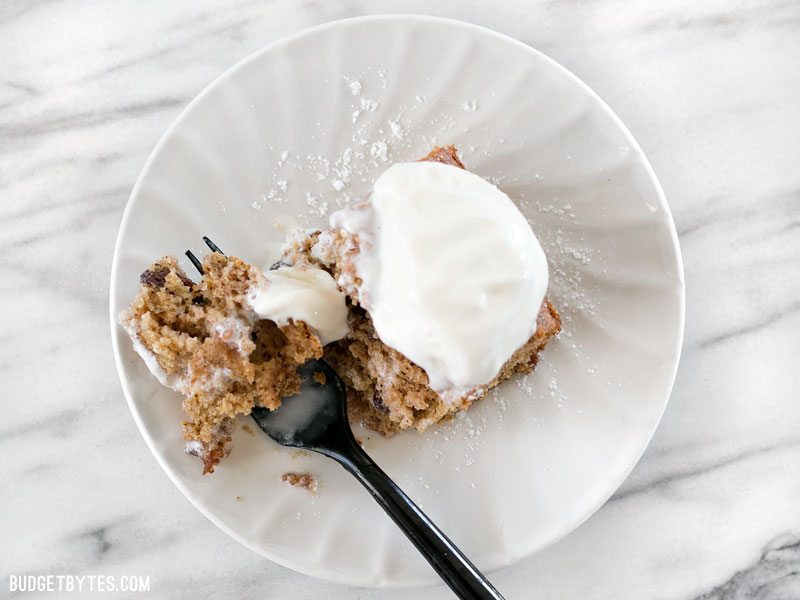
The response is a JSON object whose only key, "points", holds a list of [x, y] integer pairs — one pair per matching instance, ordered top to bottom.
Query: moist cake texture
{"points": [[203, 340]]}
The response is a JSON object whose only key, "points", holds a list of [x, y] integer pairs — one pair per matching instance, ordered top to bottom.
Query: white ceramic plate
{"points": [[267, 144]]}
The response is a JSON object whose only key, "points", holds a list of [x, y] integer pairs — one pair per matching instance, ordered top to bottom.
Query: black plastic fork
{"points": [[316, 420]]}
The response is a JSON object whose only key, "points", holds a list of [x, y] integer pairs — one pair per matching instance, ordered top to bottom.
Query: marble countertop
{"points": [[709, 90]]}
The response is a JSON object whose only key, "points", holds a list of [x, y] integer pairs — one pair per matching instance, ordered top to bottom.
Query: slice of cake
{"points": [[422, 298], [207, 341], [387, 390]]}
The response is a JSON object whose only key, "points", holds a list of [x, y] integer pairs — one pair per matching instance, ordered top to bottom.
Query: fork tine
{"points": [[212, 245], [195, 261]]}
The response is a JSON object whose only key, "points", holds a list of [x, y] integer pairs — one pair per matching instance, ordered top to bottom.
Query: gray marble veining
{"points": [[710, 91]]}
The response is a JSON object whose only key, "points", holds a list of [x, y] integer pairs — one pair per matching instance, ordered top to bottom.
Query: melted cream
{"points": [[302, 294]]}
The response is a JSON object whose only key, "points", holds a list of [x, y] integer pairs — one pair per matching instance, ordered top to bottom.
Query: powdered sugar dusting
{"points": [[355, 87], [470, 105], [397, 130], [376, 139], [379, 150], [318, 206]]}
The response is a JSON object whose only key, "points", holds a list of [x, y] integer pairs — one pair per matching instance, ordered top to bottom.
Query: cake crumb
{"points": [[319, 377], [248, 429], [301, 480], [239, 498]]}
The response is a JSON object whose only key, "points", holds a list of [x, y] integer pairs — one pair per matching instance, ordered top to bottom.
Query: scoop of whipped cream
{"points": [[452, 274], [302, 294]]}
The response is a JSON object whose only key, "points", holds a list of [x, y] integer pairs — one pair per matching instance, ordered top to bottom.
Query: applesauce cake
{"points": [[204, 341], [226, 349], [386, 391]]}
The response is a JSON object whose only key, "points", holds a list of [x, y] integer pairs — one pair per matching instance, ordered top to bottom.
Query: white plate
{"points": [[524, 467]]}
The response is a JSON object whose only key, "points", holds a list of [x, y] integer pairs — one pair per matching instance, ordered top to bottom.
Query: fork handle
{"points": [[446, 559]]}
